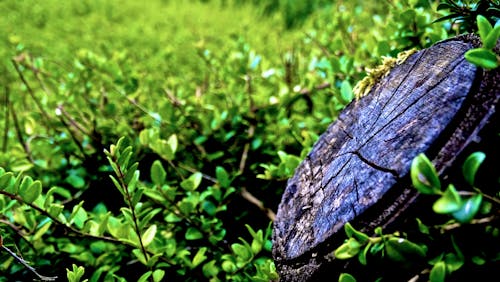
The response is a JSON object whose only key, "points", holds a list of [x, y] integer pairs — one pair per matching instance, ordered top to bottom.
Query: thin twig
{"points": [[31, 92], [7, 120], [19, 134], [246, 148], [121, 176], [252, 199], [483, 220], [57, 221], [23, 262]]}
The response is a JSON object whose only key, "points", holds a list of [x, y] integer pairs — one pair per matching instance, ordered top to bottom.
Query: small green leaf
{"points": [[484, 27], [491, 40], [481, 57], [346, 91], [172, 142], [471, 166], [158, 173], [222, 176], [424, 176], [6, 180], [191, 183], [32, 192], [449, 202], [469, 209], [55, 210], [79, 215], [424, 229], [351, 232], [193, 234], [149, 235], [400, 249], [348, 250], [242, 251], [362, 255], [199, 257], [229, 266], [210, 269], [438, 272], [76, 274], [158, 275], [145, 277], [346, 277]]}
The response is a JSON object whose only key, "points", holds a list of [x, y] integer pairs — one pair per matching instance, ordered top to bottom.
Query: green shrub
{"points": [[149, 142]]}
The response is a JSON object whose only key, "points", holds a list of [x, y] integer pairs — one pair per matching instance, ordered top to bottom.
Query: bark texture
{"points": [[435, 102]]}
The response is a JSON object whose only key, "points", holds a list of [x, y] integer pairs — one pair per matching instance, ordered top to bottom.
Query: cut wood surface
{"points": [[435, 102]]}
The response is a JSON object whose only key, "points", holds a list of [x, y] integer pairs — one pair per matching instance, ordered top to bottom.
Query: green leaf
{"points": [[484, 27], [491, 40], [481, 57], [346, 91], [172, 142], [471, 166], [158, 173], [222, 176], [424, 176], [6, 181], [133, 182], [191, 183], [24, 185], [32, 192], [449, 202], [469, 209], [55, 210], [79, 215], [424, 229], [351, 232], [193, 234], [149, 235], [400, 249], [348, 250], [243, 252], [140, 256], [199, 257], [229, 266], [210, 269], [438, 272], [75, 274], [158, 275], [145, 277], [346, 277]]}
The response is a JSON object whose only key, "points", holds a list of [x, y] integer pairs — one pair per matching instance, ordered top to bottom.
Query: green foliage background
{"points": [[214, 103]]}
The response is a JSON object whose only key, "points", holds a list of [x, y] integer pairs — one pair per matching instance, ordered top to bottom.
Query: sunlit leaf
{"points": [[484, 27], [481, 57], [471, 166], [158, 173], [424, 176], [32, 192], [449, 202], [193, 234], [149, 235], [348, 250], [438, 272], [346, 277]]}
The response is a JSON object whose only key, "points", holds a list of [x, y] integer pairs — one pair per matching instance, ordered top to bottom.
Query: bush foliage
{"points": [[153, 142]]}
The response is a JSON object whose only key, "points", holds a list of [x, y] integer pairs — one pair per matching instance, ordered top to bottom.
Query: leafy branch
{"points": [[128, 176]]}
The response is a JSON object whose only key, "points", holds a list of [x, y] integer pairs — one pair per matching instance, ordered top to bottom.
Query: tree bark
{"points": [[434, 103]]}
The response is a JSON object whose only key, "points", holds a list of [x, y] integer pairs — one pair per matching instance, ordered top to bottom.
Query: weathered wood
{"points": [[435, 102]]}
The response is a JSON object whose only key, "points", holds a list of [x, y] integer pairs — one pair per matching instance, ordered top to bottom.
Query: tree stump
{"points": [[358, 171]]}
